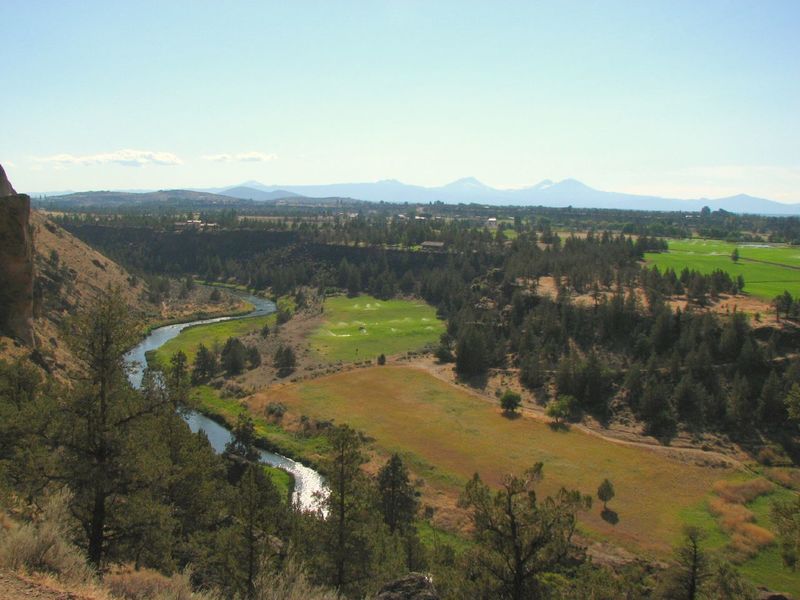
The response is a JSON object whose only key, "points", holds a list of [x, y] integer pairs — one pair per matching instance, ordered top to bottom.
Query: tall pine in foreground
{"points": [[101, 432]]}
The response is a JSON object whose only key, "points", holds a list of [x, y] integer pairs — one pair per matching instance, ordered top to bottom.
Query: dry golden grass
{"points": [[446, 434], [785, 476], [742, 492], [730, 515], [747, 538]]}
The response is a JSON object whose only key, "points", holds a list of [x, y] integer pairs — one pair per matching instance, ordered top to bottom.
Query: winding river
{"points": [[307, 482]]}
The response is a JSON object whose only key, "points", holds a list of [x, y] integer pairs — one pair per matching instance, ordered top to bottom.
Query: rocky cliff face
{"points": [[16, 264]]}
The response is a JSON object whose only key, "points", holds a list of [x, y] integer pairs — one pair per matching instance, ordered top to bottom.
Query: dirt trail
{"points": [[445, 373], [16, 587]]}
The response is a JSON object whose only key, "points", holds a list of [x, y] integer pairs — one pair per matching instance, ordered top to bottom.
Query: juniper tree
{"points": [[520, 538]]}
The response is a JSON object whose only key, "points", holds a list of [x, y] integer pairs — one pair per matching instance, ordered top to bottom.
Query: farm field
{"points": [[761, 280], [363, 327], [447, 434]]}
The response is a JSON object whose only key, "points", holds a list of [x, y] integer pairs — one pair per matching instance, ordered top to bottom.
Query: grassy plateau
{"points": [[768, 270], [363, 327]]}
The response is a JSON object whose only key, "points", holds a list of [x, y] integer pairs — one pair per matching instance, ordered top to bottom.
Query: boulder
{"points": [[16, 264], [414, 586]]}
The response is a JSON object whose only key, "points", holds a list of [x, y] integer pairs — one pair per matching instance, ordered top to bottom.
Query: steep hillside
{"points": [[68, 275]]}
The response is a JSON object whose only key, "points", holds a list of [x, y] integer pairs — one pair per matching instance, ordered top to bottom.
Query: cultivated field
{"points": [[768, 270], [363, 327], [447, 434]]}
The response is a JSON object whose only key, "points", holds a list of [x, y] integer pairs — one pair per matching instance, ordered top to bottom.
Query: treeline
{"points": [[339, 219], [695, 370], [142, 489]]}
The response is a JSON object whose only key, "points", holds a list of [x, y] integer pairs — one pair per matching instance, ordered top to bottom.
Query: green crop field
{"points": [[761, 279], [363, 327], [447, 434]]}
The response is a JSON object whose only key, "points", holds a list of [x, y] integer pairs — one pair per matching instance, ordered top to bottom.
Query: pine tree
{"points": [[100, 430], [605, 492], [397, 496]]}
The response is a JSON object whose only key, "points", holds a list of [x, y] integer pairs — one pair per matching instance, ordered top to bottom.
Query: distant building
{"points": [[491, 223], [196, 224], [433, 246]]}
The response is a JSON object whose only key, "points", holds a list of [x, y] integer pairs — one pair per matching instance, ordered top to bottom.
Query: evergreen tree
{"points": [[471, 353], [234, 356], [205, 365], [771, 409], [101, 431], [605, 493], [397, 496], [258, 514], [519, 539], [347, 555], [685, 579]]}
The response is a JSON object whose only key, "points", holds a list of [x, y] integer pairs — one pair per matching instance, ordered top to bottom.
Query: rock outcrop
{"points": [[16, 264], [414, 586]]}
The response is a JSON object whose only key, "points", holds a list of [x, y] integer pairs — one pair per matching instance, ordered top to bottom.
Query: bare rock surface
{"points": [[16, 263], [414, 586]]}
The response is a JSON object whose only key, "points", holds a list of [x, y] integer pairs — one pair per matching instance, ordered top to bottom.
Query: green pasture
{"points": [[762, 279], [363, 327]]}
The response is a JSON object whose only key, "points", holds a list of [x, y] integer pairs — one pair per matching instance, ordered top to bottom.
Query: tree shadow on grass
{"points": [[477, 382], [511, 415], [559, 426], [610, 516]]}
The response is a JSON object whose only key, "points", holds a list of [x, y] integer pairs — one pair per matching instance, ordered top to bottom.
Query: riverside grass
{"points": [[767, 269], [364, 327], [210, 334]]}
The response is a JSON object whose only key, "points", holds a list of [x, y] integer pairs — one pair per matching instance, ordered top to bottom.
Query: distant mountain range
{"points": [[568, 192]]}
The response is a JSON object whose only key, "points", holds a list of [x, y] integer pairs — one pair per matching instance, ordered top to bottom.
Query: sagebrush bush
{"points": [[742, 492], [747, 538], [43, 545], [289, 583], [147, 584]]}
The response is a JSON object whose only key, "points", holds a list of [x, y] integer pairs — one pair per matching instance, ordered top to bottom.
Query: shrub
{"points": [[283, 316], [444, 354], [382, 359], [510, 401], [561, 408], [276, 409], [743, 492], [747, 538], [43, 545], [290, 583], [147, 584]]}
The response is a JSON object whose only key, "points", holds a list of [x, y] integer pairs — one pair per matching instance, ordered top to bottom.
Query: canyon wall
{"points": [[16, 264]]}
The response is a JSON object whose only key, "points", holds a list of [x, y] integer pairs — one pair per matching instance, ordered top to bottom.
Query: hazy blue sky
{"points": [[684, 99]]}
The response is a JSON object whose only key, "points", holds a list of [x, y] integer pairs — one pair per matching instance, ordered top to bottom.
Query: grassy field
{"points": [[761, 280], [363, 327], [214, 333], [447, 434]]}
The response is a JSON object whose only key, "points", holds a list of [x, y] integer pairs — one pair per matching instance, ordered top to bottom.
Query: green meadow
{"points": [[779, 271], [363, 327], [213, 333]]}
